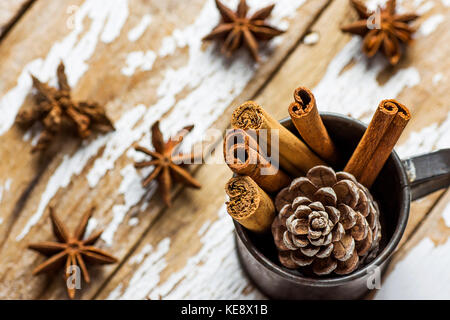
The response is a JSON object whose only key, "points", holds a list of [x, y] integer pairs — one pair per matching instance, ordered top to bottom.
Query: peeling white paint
{"points": [[418, 2], [373, 4], [427, 6], [117, 16], [106, 21], [429, 25], [139, 30], [311, 38], [142, 60], [203, 74], [437, 78], [356, 91], [433, 137], [119, 141], [74, 165], [70, 166], [8, 184], [5, 188], [133, 193], [446, 215], [133, 222], [91, 226], [204, 228], [138, 258], [213, 273], [422, 274], [147, 275]]}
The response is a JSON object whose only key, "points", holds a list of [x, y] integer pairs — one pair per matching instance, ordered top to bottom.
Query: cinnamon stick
{"points": [[306, 118], [239, 136], [377, 143], [386, 146], [294, 156], [243, 158], [249, 205]]}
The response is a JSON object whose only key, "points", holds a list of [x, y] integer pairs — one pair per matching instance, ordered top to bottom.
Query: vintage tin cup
{"points": [[398, 184]]}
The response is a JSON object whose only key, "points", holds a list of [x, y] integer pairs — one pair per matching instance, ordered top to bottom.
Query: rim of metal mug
{"points": [[381, 257]]}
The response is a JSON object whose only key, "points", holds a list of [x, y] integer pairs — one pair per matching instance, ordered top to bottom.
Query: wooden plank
{"points": [[10, 11], [143, 63], [343, 81], [188, 253], [420, 267]]}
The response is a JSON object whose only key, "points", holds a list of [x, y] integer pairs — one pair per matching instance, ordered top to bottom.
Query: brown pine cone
{"points": [[326, 221]]}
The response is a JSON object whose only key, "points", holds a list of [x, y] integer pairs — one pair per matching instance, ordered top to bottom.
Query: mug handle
{"points": [[428, 172]]}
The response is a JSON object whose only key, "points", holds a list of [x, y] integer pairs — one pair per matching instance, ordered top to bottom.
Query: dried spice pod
{"points": [[236, 28], [386, 32], [56, 110], [306, 118], [377, 143], [243, 158], [168, 165], [249, 204], [326, 222], [71, 251]]}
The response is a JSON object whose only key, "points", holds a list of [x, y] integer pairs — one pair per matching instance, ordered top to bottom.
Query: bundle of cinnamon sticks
{"points": [[265, 156]]}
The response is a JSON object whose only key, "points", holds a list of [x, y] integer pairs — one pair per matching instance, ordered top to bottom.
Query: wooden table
{"points": [[144, 60]]}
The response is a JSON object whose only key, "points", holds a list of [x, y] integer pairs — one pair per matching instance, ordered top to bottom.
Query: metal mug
{"points": [[397, 185]]}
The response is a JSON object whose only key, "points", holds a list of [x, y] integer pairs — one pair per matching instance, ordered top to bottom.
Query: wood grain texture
{"points": [[10, 11], [148, 64], [165, 72], [342, 81], [419, 269]]}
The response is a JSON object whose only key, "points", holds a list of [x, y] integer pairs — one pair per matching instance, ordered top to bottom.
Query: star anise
{"points": [[236, 28], [383, 28], [56, 110], [167, 163], [72, 249]]}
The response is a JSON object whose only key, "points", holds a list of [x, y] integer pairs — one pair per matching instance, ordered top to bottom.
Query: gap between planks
{"points": [[14, 16]]}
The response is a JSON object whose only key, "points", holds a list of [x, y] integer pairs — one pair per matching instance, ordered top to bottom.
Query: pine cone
{"points": [[327, 222]]}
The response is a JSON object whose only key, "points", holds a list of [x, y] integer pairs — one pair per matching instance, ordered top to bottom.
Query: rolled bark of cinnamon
{"points": [[306, 118], [239, 136], [377, 143], [386, 145], [294, 156], [244, 159], [249, 205]]}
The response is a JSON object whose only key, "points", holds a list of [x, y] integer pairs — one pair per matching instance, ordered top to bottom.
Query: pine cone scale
{"points": [[322, 176], [326, 196], [302, 211], [326, 221], [364, 245], [326, 251], [300, 259], [349, 265], [324, 266]]}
